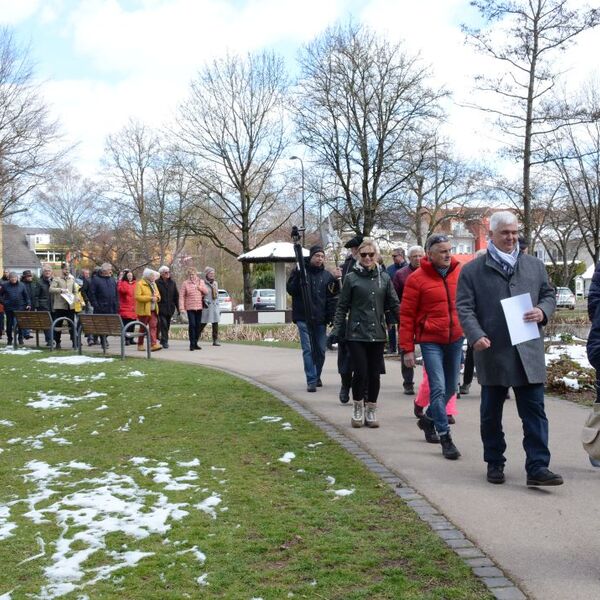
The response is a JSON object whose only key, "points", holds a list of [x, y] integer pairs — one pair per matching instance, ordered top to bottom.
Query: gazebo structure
{"points": [[278, 253]]}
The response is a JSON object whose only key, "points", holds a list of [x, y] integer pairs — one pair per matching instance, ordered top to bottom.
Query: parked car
{"points": [[565, 298], [263, 299], [225, 301]]}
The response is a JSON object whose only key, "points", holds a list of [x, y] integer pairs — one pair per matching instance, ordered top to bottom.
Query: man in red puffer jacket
{"points": [[428, 317]]}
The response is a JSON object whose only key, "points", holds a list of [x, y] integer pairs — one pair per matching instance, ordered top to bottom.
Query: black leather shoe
{"points": [[215, 343], [164, 344], [319, 383], [311, 388], [409, 390], [344, 395], [417, 410], [426, 424], [449, 450], [495, 473], [544, 477]]}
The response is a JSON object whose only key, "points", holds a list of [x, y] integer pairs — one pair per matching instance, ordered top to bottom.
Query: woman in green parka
{"points": [[367, 294]]}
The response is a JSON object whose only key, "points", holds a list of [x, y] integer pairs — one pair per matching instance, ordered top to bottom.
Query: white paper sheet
{"points": [[514, 308]]}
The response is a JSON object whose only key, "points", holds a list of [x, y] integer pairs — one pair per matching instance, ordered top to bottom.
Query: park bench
{"points": [[34, 320], [110, 325]]}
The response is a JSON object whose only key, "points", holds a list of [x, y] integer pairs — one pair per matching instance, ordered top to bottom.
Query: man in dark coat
{"points": [[415, 254], [504, 272], [323, 289], [102, 293], [14, 296], [41, 297], [167, 305]]}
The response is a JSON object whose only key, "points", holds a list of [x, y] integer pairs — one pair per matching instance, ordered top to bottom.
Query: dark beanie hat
{"points": [[355, 242], [314, 249], [26, 273]]}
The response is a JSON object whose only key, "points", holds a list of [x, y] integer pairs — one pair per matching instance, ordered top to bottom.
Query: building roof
{"points": [[272, 252], [16, 253]]}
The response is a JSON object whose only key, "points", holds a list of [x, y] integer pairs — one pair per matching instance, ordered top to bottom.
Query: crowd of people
{"points": [[152, 300], [440, 305]]}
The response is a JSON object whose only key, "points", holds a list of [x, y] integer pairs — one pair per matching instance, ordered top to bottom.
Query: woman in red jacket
{"points": [[126, 291], [428, 317]]}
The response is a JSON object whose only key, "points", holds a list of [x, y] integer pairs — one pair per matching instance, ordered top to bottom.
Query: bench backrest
{"points": [[27, 319], [101, 324]]}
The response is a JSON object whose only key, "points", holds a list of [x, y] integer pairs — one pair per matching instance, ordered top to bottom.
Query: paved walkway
{"points": [[546, 540]]}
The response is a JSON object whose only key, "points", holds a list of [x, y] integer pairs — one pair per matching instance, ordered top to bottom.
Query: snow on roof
{"points": [[272, 252], [589, 272]]}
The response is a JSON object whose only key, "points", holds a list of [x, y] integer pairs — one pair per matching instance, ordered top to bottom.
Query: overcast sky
{"points": [[104, 61]]}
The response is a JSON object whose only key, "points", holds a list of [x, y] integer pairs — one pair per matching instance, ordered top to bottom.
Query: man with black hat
{"points": [[323, 288]]}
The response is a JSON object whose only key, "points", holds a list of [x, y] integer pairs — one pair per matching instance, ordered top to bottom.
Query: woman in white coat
{"points": [[211, 312]]}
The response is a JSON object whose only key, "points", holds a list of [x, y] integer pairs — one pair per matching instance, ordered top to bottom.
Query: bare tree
{"points": [[532, 33], [362, 105], [231, 134], [28, 136], [577, 163], [149, 189], [439, 189], [69, 204], [559, 233]]}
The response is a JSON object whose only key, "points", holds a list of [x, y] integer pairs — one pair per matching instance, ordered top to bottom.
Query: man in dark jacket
{"points": [[415, 254], [399, 258], [504, 272], [27, 280], [323, 289], [102, 293], [14, 297], [41, 297], [167, 305]]}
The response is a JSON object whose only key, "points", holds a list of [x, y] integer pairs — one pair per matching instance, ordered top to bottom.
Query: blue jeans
{"points": [[442, 362], [312, 370], [530, 406]]}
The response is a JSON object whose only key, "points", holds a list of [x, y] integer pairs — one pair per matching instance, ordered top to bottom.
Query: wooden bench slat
{"points": [[33, 319]]}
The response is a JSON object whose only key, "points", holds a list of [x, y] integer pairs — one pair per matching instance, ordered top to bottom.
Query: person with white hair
{"points": [[504, 272], [62, 289], [147, 298], [169, 303], [211, 312]]}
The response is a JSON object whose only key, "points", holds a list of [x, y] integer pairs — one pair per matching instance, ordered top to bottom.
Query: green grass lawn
{"points": [[170, 485]]}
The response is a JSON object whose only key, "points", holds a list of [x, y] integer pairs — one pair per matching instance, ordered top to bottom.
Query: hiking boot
{"points": [[156, 347], [409, 389], [464, 389], [344, 394], [417, 410], [358, 414], [371, 415], [426, 424], [449, 450], [495, 473], [544, 477]]}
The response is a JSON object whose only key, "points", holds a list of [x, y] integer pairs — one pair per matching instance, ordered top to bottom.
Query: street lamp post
{"points": [[302, 174]]}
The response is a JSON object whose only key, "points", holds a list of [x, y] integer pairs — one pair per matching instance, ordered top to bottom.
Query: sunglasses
{"points": [[436, 239], [369, 254]]}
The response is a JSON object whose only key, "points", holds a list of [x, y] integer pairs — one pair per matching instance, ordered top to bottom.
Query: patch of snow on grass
{"points": [[19, 352], [575, 352], [74, 360], [136, 374], [569, 382], [51, 401], [154, 406], [269, 419], [6, 423], [315, 444], [287, 457], [191, 463], [330, 479], [343, 492], [104, 505], [208, 505], [6, 527], [202, 580]]}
